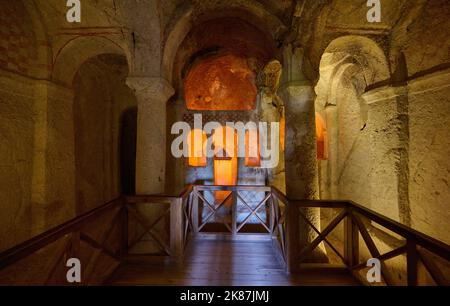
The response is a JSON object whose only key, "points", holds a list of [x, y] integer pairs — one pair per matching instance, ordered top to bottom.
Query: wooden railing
{"points": [[208, 201], [165, 219], [160, 227], [95, 238], [422, 255]]}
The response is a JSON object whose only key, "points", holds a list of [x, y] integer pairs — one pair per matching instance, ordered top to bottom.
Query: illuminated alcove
{"points": [[224, 82]]}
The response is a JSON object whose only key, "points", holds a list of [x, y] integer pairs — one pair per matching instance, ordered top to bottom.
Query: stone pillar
{"points": [[152, 95], [270, 113], [333, 143], [301, 155], [302, 180]]}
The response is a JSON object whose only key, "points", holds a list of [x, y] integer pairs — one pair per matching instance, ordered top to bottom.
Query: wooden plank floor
{"points": [[224, 263]]}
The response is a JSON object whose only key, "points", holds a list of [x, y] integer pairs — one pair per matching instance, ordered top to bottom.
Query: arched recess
{"points": [[186, 17], [231, 36], [77, 51], [363, 52], [348, 67], [105, 115], [104, 118]]}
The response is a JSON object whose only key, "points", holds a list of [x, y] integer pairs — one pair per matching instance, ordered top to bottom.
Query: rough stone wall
{"points": [[427, 43], [18, 50], [428, 59], [101, 100], [429, 155], [16, 158], [37, 162], [353, 169], [59, 203]]}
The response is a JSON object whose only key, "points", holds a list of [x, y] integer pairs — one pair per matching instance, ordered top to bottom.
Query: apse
{"points": [[223, 82]]}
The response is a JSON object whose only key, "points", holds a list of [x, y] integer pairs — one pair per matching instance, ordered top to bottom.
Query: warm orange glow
{"points": [[223, 82], [282, 131], [321, 136], [197, 141], [252, 150], [225, 162], [225, 172]]}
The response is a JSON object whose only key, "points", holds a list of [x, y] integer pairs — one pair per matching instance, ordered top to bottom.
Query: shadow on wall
{"points": [[105, 111], [128, 136]]}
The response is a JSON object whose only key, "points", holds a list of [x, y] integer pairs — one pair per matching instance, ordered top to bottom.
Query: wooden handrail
{"points": [[232, 188], [186, 191], [159, 198], [150, 199], [353, 224], [283, 226], [421, 239], [32, 245]]}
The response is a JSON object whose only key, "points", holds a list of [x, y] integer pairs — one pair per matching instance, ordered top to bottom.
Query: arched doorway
{"points": [[217, 69], [105, 131]]}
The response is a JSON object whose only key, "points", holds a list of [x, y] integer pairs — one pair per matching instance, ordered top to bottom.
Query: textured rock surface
{"points": [[383, 86], [102, 99], [429, 155], [16, 159]]}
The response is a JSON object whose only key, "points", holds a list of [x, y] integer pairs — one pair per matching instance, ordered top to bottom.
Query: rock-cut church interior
{"points": [[233, 142]]}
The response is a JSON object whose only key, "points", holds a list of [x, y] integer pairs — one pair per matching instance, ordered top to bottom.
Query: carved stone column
{"points": [[152, 95], [333, 142], [301, 152], [301, 156]]}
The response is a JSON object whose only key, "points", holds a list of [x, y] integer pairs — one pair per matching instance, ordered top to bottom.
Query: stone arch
{"points": [[187, 17], [25, 48], [77, 51], [363, 52], [44, 53], [356, 57], [348, 67], [327, 84], [104, 115], [105, 130]]}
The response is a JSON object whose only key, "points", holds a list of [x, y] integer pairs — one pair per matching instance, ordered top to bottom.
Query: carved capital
{"points": [[149, 88]]}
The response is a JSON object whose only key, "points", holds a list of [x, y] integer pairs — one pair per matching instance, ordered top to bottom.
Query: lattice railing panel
{"points": [[149, 229], [94, 242]]}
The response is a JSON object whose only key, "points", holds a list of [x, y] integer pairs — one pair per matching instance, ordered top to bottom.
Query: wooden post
{"points": [[234, 213], [272, 213], [194, 215], [176, 230], [124, 232], [351, 241], [292, 243], [74, 247], [411, 262]]}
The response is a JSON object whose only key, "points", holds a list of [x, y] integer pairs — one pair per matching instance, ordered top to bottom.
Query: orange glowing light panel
{"points": [[321, 136], [197, 141]]}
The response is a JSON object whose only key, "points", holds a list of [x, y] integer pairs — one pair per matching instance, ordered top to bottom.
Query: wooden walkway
{"points": [[224, 263]]}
